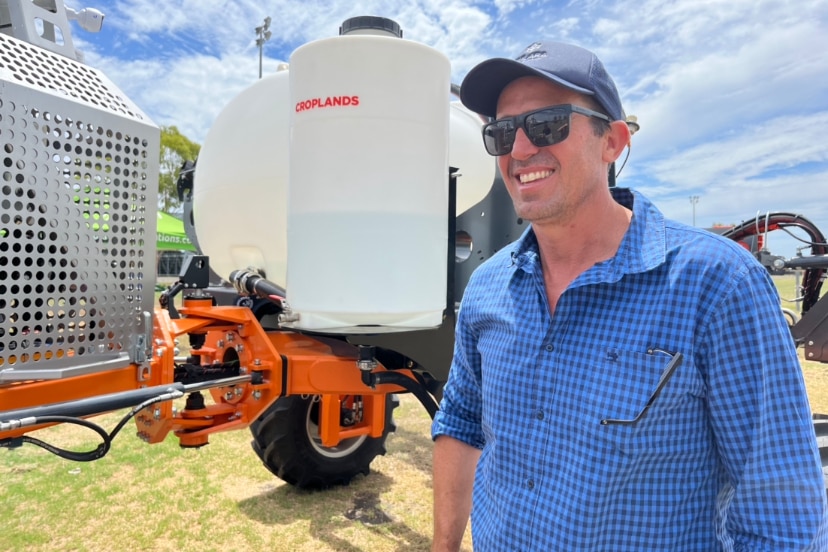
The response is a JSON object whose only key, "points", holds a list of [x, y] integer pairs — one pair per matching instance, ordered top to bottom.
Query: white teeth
{"points": [[531, 177]]}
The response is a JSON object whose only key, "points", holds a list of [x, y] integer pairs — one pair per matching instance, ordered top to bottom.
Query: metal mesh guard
{"points": [[78, 186]]}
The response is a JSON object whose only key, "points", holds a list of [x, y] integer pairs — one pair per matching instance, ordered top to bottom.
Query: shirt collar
{"points": [[642, 248]]}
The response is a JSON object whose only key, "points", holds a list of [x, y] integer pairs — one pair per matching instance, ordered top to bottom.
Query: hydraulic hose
{"points": [[762, 224], [249, 282], [409, 385], [70, 412], [106, 438], [99, 452]]}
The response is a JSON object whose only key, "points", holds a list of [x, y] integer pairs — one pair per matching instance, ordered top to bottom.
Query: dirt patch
{"points": [[366, 509]]}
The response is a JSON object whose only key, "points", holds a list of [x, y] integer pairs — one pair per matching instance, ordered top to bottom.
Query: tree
{"points": [[175, 149]]}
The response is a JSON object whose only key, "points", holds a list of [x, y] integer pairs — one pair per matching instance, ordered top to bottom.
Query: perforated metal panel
{"points": [[78, 192]]}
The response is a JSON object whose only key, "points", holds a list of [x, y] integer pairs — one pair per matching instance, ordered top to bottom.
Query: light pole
{"points": [[262, 36], [693, 201]]}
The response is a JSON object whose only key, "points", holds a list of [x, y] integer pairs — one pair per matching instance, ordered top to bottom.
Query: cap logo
{"points": [[531, 52], [531, 56]]}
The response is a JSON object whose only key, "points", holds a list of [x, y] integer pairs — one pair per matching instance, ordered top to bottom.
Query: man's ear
{"points": [[616, 139]]}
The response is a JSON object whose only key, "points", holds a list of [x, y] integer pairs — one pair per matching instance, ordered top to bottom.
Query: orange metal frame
{"points": [[288, 363]]}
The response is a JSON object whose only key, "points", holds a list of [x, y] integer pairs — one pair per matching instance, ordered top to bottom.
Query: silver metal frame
{"points": [[78, 200]]}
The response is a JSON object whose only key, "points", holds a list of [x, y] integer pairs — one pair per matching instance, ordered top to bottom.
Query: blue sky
{"points": [[731, 95]]}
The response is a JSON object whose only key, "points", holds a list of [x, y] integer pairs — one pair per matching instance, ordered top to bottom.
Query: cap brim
{"points": [[482, 86]]}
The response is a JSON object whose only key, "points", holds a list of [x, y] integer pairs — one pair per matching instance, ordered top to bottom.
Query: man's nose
{"points": [[523, 148]]}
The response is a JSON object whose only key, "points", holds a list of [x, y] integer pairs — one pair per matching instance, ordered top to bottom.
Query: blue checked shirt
{"points": [[724, 459]]}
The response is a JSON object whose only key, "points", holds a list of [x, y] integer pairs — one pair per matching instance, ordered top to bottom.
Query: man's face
{"points": [[549, 185]]}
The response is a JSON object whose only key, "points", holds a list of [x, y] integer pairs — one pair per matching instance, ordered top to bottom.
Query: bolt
{"points": [[230, 337], [220, 343], [810, 344], [240, 349], [159, 353], [811, 354], [257, 362], [242, 370], [239, 391], [257, 394], [228, 396], [157, 413]]}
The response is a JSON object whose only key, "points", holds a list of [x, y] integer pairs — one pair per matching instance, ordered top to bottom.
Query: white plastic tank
{"points": [[476, 168], [368, 185], [240, 187], [240, 191]]}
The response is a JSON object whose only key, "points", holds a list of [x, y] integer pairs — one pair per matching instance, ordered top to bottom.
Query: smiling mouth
{"points": [[532, 176]]}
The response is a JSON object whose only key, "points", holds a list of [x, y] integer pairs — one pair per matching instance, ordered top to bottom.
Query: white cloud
{"points": [[505, 7], [694, 70], [186, 92], [776, 145], [736, 201]]}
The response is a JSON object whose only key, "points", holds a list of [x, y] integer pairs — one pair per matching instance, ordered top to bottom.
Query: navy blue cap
{"points": [[568, 65]]}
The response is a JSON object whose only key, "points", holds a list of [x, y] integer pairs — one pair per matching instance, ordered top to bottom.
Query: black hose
{"points": [[812, 279], [248, 282], [409, 385], [99, 452]]}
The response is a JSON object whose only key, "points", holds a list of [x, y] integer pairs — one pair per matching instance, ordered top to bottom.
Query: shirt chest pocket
{"points": [[619, 385], [636, 400]]}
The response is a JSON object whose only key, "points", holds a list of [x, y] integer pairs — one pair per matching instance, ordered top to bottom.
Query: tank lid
{"points": [[370, 22]]}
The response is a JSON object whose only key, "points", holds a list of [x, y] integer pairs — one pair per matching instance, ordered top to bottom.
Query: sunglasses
{"points": [[543, 127]]}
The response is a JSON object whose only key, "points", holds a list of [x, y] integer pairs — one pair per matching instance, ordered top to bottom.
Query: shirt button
{"points": [[550, 348], [539, 414], [530, 484]]}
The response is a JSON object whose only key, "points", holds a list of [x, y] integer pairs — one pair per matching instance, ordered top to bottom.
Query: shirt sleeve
{"points": [[461, 406], [775, 496]]}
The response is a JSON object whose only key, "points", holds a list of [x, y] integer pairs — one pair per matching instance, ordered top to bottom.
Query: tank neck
{"points": [[370, 25]]}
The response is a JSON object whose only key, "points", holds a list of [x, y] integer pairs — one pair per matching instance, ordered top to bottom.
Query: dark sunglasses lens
{"points": [[547, 127], [499, 137]]}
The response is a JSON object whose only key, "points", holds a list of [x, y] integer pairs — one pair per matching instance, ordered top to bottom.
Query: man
{"points": [[620, 381]]}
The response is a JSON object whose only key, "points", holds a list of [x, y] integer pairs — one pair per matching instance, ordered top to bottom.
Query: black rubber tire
{"points": [[821, 429], [283, 439]]}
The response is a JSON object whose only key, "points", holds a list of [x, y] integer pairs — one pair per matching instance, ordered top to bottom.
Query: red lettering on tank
{"points": [[329, 101]]}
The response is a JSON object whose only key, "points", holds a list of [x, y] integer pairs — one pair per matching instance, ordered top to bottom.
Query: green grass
{"points": [[219, 497]]}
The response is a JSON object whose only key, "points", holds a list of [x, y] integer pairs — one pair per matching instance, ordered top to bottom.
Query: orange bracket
{"points": [[271, 365]]}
